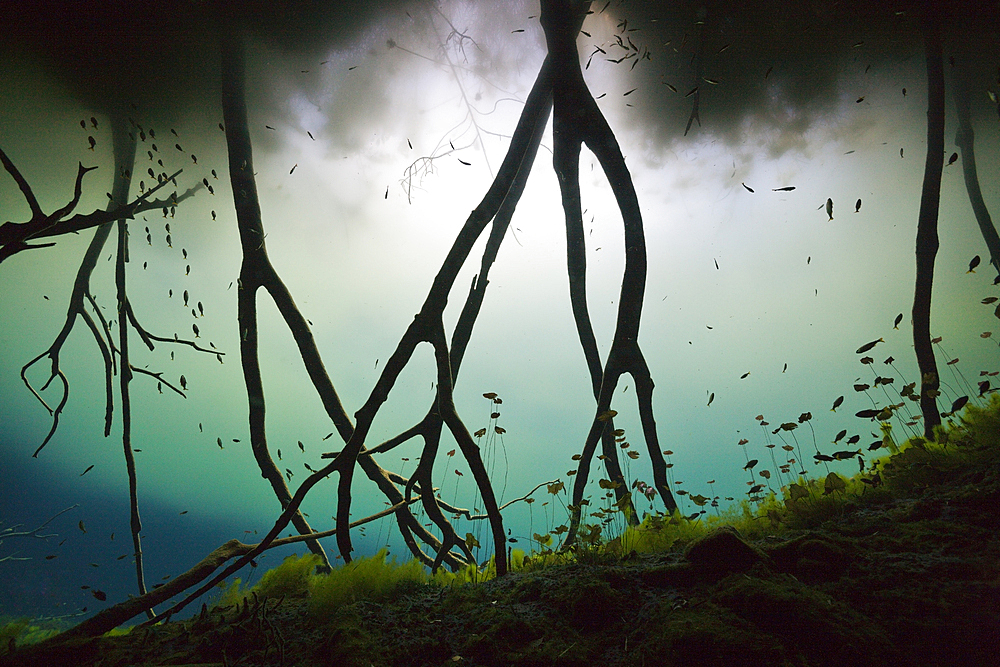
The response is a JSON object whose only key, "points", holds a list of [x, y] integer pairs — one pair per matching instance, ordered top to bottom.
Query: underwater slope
{"points": [[905, 573]]}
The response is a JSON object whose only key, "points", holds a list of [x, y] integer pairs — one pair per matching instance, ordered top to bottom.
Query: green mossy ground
{"points": [[904, 574]]}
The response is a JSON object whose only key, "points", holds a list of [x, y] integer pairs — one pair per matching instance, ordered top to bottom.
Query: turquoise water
{"points": [[373, 139]]}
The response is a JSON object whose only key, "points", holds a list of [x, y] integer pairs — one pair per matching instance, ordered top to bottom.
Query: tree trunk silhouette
{"points": [[577, 119], [965, 139], [927, 236], [256, 272]]}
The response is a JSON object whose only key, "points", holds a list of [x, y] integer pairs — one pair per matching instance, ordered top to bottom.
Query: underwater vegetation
{"points": [[831, 571]]}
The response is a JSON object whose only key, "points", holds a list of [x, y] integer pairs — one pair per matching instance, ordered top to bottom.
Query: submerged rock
{"points": [[724, 548]]}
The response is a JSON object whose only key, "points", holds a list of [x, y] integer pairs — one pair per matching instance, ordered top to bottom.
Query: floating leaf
{"points": [[490, 395], [494, 415], [607, 415], [499, 430], [480, 433], [632, 454], [608, 484], [555, 487], [796, 491]]}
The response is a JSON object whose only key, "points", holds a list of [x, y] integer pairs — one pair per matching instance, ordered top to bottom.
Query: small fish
{"points": [[516, 31], [768, 72], [669, 86], [629, 92], [691, 92], [904, 92], [860, 100], [93, 121], [269, 127], [310, 135], [93, 142], [900, 152], [952, 159], [292, 170], [787, 188], [749, 189], [386, 192], [857, 206], [829, 208], [809, 260], [716, 263], [973, 264], [185, 298], [201, 309], [899, 318], [197, 334], [867, 346], [784, 368], [745, 375], [184, 382], [984, 387], [711, 398], [837, 403], [959, 404], [867, 414], [200, 429], [840, 435], [328, 436], [853, 439], [219, 442], [302, 447], [279, 454], [845, 454], [750, 464], [89, 468], [184, 512], [83, 528], [100, 595]]}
